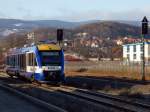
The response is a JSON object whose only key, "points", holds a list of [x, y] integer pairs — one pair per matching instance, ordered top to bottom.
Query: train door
{"points": [[22, 64], [31, 64]]}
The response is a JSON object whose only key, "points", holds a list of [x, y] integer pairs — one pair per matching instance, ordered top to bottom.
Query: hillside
{"points": [[9, 26], [99, 29], [109, 29]]}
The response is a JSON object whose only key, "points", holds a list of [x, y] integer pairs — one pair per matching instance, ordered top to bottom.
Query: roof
{"points": [[139, 43], [48, 47], [34, 48], [21, 50]]}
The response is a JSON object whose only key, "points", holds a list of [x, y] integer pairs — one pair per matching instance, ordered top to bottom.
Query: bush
{"points": [[82, 70]]}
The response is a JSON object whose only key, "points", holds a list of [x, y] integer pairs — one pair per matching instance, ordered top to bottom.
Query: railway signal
{"points": [[144, 26], [144, 32], [59, 35]]}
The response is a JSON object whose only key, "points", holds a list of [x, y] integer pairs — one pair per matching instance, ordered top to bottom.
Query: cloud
{"points": [[135, 14], [71, 15], [92, 15]]}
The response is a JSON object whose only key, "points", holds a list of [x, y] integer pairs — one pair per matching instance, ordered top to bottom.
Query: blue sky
{"points": [[75, 10]]}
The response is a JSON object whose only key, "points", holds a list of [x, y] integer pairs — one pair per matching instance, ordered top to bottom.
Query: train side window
{"points": [[16, 57], [29, 59], [32, 59], [15, 60], [7, 61], [11, 61], [20, 61], [24, 61]]}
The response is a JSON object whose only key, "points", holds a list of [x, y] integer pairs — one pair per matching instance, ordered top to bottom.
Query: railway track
{"points": [[119, 81], [115, 98], [103, 99], [109, 101], [47, 106]]}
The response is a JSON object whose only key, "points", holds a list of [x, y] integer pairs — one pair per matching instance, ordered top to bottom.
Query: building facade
{"points": [[134, 52]]}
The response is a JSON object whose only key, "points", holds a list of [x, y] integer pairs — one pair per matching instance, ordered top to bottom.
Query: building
{"points": [[134, 52]]}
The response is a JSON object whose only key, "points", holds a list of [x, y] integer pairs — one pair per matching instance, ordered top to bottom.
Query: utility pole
{"points": [[144, 33]]}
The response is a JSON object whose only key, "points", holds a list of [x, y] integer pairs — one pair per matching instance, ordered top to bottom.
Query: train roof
{"points": [[41, 47], [48, 47]]}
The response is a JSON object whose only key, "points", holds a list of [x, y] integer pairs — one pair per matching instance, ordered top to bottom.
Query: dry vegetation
{"points": [[100, 69], [114, 70], [137, 91]]}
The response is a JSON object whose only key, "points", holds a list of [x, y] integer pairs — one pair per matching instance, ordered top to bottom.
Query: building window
{"points": [[128, 48], [134, 48], [141, 48], [134, 56], [141, 56]]}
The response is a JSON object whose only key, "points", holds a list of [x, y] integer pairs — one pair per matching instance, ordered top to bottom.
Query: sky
{"points": [[75, 10]]}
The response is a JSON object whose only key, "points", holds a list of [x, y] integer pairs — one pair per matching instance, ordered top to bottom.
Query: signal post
{"points": [[144, 33]]}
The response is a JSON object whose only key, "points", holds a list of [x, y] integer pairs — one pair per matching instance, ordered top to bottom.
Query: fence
{"points": [[119, 68]]}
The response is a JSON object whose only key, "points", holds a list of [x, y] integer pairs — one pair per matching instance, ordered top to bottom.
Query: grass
{"points": [[102, 69], [127, 75], [137, 91]]}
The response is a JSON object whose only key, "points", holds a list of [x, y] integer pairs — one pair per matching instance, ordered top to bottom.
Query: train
{"points": [[42, 63]]}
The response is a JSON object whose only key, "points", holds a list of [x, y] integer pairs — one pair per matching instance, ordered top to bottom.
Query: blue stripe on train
{"points": [[37, 76]]}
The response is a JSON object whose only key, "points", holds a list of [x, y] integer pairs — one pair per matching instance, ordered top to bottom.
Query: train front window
{"points": [[50, 58]]}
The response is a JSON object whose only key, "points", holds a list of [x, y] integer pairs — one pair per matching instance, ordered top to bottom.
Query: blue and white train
{"points": [[44, 62]]}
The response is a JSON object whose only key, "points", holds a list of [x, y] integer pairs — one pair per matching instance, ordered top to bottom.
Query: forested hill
{"points": [[109, 29]]}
